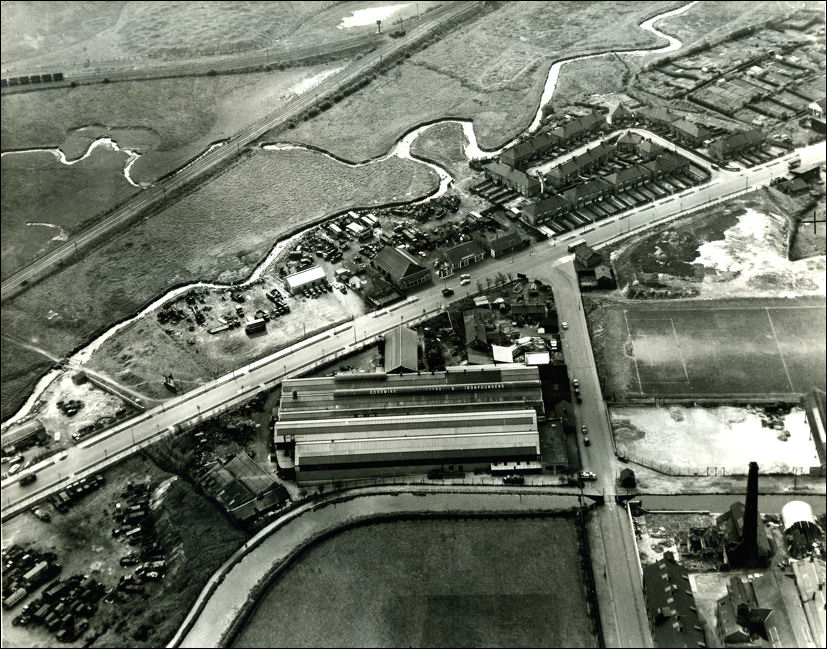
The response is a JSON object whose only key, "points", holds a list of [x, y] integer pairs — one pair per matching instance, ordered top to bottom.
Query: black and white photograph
{"points": [[413, 323]]}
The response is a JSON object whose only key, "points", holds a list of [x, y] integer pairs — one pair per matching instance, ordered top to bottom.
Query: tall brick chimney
{"points": [[749, 547]]}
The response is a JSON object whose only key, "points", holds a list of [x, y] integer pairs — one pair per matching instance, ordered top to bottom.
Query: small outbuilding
{"points": [[313, 276], [627, 479]]}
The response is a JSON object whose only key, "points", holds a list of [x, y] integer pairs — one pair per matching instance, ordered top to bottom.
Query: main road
{"points": [[158, 192], [228, 390]]}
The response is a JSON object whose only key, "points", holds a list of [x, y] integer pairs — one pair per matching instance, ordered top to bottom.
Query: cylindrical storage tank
{"points": [[796, 511]]}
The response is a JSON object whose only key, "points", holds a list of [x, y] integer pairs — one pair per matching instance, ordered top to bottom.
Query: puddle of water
{"points": [[369, 16]]}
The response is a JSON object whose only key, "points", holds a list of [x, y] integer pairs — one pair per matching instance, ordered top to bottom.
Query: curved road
{"points": [[250, 133]]}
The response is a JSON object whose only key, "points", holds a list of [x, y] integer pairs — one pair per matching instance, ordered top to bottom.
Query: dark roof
{"points": [[620, 111], [655, 114], [578, 125], [691, 129], [630, 138], [649, 147], [528, 148], [667, 163], [629, 174], [514, 175], [586, 190], [546, 206], [506, 242], [457, 253], [587, 256], [399, 264], [603, 271], [528, 309], [474, 329], [401, 347], [815, 407], [23, 432], [237, 482], [731, 524], [671, 605]]}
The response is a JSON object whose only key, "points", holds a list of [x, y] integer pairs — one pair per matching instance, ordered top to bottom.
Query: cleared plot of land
{"points": [[481, 71], [217, 233], [719, 349], [715, 440], [422, 584]]}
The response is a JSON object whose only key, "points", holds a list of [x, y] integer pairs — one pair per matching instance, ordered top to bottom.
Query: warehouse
{"points": [[312, 276], [401, 350], [357, 425], [368, 446]]}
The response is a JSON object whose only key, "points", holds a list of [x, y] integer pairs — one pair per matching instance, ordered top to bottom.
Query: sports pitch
{"points": [[707, 348]]}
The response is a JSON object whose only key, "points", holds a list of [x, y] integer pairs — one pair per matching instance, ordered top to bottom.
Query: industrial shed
{"points": [[312, 276], [357, 425], [25, 435], [347, 448]]}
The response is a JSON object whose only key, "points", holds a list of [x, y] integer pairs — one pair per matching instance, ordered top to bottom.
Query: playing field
{"points": [[724, 348], [432, 583]]}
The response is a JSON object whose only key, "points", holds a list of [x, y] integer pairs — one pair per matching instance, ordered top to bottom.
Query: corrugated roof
{"points": [[399, 264], [401, 349]]}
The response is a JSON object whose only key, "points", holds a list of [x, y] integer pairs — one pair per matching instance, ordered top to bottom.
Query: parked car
{"points": [[464, 281], [447, 292], [565, 325], [585, 430], [586, 441], [14, 468], [587, 475], [27, 479], [513, 479]]}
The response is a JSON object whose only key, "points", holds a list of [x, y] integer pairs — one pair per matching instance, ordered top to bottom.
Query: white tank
{"points": [[796, 511]]}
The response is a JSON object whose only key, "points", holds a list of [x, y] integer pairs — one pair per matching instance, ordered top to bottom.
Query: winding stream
{"points": [[402, 150]]}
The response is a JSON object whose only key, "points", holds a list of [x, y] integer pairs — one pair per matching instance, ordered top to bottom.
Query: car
{"points": [[465, 276], [465, 281], [447, 292], [565, 325], [575, 383], [578, 397], [585, 430], [586, 441], [15, 468], [587, 475], [27, 479], [513, 479], [42, 514]]}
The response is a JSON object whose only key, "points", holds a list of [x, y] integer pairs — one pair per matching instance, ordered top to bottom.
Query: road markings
{"points": [[629, 331], [678, 345]]}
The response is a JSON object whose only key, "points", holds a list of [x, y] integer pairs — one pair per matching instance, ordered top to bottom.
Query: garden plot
{"points": [[689, 440]]}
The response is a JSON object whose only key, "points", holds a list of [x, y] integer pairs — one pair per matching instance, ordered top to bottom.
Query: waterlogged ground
{"points": [[424, 584]]}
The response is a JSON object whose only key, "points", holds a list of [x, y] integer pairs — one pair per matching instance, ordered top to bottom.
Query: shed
{"points": [[312, 276], [401, 347], [25, 435]]}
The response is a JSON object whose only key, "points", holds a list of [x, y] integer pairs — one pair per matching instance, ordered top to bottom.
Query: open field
{"points": [[126, 29], [480, 71], [169, 121], [43, 200], [219, 232], [723, 348], [21, 369], [723, 439], [194, 535], [422, 584]]}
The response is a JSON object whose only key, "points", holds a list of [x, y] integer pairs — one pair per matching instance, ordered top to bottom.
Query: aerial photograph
{"points": [[413, 323]]}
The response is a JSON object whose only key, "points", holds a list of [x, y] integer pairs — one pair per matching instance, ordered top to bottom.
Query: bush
{"points": [[212, 73]]}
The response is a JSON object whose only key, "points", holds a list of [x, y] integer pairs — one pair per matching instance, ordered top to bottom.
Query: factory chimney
{"points": [[750, 540]]}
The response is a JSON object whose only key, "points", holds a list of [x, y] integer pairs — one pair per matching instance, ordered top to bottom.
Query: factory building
{"points": [[303, 279], [362, 425]]}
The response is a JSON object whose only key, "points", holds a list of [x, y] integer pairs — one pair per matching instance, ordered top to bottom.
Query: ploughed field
{"points": [[726, 347], [432, 583]]}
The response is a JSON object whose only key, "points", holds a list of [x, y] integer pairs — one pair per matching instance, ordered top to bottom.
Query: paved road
{"points": [[157, 193], [270, 370], [616, 572]]}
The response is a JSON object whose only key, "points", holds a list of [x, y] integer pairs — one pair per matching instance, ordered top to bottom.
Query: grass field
{"points": [[35, 34], [481, 71], [169, 121], [37, 188], [218, 232], [715, 348], [422, 584]]}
